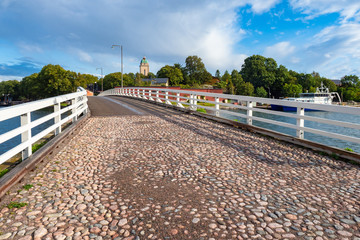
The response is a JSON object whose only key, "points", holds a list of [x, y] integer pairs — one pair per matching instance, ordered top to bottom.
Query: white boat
{"points": [[321, 96]]}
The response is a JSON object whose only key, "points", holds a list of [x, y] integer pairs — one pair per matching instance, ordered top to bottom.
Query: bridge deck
{"points": [[140, 171]]}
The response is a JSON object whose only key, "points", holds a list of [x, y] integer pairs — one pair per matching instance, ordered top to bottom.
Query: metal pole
{"points": [[121, 47], [102, 78], [122, 85]]}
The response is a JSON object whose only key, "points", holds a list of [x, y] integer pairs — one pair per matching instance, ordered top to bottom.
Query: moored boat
{"points": [[321, 96]]}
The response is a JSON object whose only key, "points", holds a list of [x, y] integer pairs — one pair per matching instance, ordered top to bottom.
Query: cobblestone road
{"points": [[177, 176]]}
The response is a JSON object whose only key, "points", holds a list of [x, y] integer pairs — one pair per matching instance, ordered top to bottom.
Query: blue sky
{"points": [[303, 35]]}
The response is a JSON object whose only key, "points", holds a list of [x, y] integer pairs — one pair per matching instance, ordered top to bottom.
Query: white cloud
{"points": [[260, 6], [348, 9], [166, 32], [30, 48], [336, 49], [279, 51], [83, 56], [6, 78]]}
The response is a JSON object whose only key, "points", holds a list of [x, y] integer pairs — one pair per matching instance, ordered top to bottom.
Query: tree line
{"points": [[258, 76], [52, 80]]}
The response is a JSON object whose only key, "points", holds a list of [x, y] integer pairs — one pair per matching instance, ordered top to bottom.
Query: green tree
{"points": [[196, 71], [259, 71], [173, 73], [217, 74], [151, 75], [132, 76], [226, 77], [282, 77], [113, 80], [53, 81], [237, 81], [307, 81], [350, 81], [224, 82], [329, 84], [29, 87], [11, 88], [230, 88], [247, 89], [292, 90], [261, 92], [350, 94]]}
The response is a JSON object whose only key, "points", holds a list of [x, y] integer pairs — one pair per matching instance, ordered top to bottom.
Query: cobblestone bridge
{"points": [[141, 171]]}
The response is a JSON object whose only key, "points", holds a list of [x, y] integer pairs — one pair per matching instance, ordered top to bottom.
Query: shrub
{"points": [[201, 110], [37, 146], [3, 172], [27, 186], [16, 205]]}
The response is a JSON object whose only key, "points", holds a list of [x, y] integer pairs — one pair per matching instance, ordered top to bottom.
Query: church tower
{"points": [[144, 66]]}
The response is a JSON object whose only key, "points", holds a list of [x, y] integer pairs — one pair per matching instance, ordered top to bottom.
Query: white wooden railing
{"points": [[191, 99], [78, 106]]}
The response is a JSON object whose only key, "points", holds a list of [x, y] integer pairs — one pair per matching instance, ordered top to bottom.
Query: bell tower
{"points": [[144, 66]]}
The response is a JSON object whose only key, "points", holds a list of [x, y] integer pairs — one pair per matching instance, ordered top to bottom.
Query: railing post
{"points": [[138, 93], [144, 95], [158, 96], [150, 97], [167, 98], [191, 101], [195, 102], [178, 104], [217, 106], [74, 109], [249, 112], [57, 118], [300, 122], [26, 135]]}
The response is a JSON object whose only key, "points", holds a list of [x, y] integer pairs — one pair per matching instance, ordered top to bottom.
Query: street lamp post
{"points": [[121, 47], [102, 78]]}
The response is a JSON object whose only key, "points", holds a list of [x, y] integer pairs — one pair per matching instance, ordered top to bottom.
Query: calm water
{"points": [[13, 123], [319, 126]]}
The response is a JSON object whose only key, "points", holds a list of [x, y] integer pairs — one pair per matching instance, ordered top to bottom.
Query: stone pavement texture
{"points": [[182, 177]]}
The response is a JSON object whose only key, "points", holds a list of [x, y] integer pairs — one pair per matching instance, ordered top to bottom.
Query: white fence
{"points": [[215, 104], [78, 106]]}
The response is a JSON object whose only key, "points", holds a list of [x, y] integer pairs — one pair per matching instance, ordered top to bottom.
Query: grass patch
{"points": [[205, 104], [201, 110], [37, 146], [349, 149], [3, 172], [27, 186], [12, 205]]}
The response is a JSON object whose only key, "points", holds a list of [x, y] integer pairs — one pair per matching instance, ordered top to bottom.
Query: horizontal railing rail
{"points": [[219, 104], [78, 105]]}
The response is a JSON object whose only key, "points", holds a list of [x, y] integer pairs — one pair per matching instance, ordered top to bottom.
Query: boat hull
{"points": [[276, 107], [294, 109]]}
